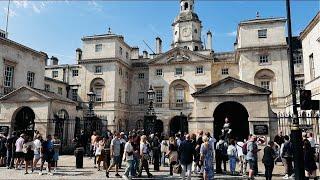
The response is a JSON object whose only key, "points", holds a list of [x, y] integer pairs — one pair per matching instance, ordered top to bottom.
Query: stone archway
{"points": [[237, 115], [23, 121], [178, 124]]}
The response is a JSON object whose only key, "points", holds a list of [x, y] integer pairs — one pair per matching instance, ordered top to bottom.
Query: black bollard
{"points": [[79, 152]]}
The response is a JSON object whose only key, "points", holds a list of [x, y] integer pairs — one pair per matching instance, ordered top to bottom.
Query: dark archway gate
{"points": [[23, 121]]}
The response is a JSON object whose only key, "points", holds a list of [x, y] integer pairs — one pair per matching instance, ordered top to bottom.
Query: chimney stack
{"points": [[209, 41], [158, 45], [135, 53], [78, 54], [145, 54], [54, 60]]}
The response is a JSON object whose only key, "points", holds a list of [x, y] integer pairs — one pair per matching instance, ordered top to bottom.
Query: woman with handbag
{"points": [[99, 151], [172, 153], [145, 157]]}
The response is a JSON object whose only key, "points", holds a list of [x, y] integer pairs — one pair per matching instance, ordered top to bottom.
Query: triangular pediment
{"points": [[179, 55], [231, 87], [24, 94]]}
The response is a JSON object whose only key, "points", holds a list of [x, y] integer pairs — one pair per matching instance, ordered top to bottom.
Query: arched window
{"points": [[186, 5], [264, 78], [97, 86], [178, 92]]}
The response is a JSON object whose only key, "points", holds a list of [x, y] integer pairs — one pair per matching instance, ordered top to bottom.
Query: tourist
{"points": [[178, 138], [279, 139], [212, 140], [312, 141], [123, 142], [92, 144], [155, 145], [37, 147], [56, 147], [11, 148], [28, 148], [164, 148], [95, 149], [3, 150], [186, 151], [47, 153], [100, 154], [107, 154], [115, 154], [136, 154], [144, 154], [172, 154], [206, 154], [232, 154], [19, 155], [221, 155], [252, 155], [196, 156], [269, 156], [287, 156], [128, 157], [241, 157], [199, 162], [310, 166]]}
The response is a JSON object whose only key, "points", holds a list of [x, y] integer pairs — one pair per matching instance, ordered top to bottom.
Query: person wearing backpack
{"points": [[221, 155], [287, 156]]}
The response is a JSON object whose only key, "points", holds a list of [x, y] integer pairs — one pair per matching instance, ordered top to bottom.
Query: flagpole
{"points": [[8, 12]]}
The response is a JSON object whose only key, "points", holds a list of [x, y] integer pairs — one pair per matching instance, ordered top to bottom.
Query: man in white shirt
{"points": [[37, 147], [19, 151], [128, 157]]}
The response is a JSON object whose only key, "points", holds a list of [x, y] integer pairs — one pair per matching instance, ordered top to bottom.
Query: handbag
{"points": [[98, 152], [173, 156], [146, 157], [177, 169]]}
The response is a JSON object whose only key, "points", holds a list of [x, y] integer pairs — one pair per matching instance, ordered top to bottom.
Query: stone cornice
{"points": [[310, 26], [254, 48], [103, 60], [181, 62]]}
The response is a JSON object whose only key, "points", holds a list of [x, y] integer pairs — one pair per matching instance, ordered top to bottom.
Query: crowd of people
{"points": [[21, 149], [185, 154]]}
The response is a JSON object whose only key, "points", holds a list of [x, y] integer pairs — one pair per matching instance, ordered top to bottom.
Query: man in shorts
{"points": [[56, 145], [37, 146], [47, 153], [115, 154], [19, 155], [252, 155]]}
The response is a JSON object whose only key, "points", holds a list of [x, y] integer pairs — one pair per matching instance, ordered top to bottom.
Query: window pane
{"points": [[262, 33], [98, 48], [178, 71], [8, 80], [98, 94]]}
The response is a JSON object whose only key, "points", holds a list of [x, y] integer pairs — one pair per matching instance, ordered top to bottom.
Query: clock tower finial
{"points": [[187, 27]]}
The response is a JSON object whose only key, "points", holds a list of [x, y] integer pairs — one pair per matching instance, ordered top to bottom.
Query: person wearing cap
{"points": [[19, 151]]}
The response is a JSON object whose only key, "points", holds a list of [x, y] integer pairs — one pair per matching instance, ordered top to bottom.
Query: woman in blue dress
{"points": [[206, 152]]}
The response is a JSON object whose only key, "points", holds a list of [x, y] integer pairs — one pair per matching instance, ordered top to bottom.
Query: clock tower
{"points": [[187, 28]]}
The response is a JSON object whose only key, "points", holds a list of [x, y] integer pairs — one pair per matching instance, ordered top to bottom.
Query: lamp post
{"points": [[92, 97], [150, 117], [296, 135]]}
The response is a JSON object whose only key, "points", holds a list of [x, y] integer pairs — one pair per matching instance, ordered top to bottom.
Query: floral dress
{"points": [[207, 152]]}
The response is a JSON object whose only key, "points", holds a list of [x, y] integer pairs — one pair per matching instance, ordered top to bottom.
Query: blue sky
{"points": [[56, 27]]}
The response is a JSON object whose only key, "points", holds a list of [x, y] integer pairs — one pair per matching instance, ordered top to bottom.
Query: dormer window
{"points": [[186, 5], [98, 47]]}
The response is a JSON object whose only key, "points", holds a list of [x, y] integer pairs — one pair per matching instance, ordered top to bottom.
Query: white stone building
{"points": [[195, 87]]}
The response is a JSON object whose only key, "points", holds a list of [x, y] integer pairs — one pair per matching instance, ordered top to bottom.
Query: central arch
{"points": [[237, 115], [23, 121], [178, 124]]}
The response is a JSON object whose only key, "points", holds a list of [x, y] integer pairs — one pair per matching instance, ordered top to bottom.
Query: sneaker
{"points": [[40, 173], [50, 174], [117, 175], [285, 177]]}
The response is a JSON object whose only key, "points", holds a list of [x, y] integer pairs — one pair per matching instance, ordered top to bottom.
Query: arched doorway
{"points": [[237, 115], [23, 121], [178, 124]]}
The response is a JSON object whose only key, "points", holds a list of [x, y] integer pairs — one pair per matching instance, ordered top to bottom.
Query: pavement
{"points": [[66, 170]]}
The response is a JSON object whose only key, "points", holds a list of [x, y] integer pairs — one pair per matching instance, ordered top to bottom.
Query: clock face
{"points": [[186, 32]]}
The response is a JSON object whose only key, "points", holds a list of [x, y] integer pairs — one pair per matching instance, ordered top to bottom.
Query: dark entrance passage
{"points": [[237, 115], [23, 121], [178, 124], [158, 126]]}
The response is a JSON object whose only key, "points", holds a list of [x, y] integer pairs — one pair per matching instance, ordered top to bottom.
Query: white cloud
{"points": [[21, 3], [96, 6], [36, 9], [12, 13], [233, 33]]}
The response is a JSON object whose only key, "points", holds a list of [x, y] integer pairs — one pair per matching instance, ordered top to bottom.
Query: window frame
{"points": [[262, 33], [98, 47], [264, 59], [96, 68], [198, 68], [224, 71], [75, 72], [159, 72], [175, 72], [55, 74], [8, 76], [141, 76], [30, 78], [299, 83], [268, 84], [47, 87], [60, 90], [74, 94], [99, 97], [159, 97], [141, 99]]}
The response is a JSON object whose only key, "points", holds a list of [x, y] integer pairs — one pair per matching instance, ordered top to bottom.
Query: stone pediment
{"points": [[179, 55], [231, 87], [24, 94]]}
